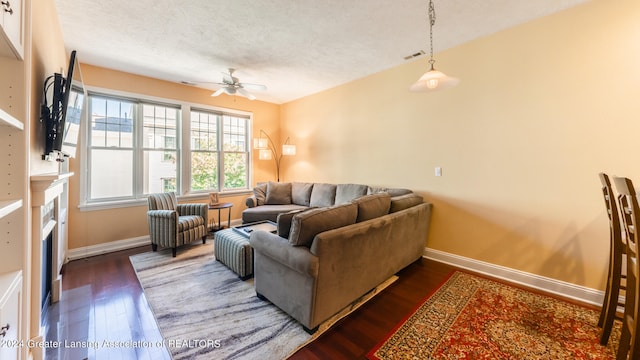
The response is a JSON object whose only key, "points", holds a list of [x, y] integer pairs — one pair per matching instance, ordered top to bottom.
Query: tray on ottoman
{"points": [[265, 225]]}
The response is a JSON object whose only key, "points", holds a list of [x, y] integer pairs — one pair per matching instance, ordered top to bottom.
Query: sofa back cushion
{"points": [[391, 191], [347, 192], [260, 193], [278, 193], [301, 193], [323, 195], [404, 202], [372, 206], [306, 225]]}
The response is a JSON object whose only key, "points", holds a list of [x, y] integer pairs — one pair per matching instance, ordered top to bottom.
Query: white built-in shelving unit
{"points": [[10, 123], [15, 255]]}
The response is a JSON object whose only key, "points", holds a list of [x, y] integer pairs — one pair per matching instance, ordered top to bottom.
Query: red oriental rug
{"points": [[470, 317]]}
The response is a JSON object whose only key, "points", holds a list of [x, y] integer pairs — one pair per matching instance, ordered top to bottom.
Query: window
{"points": [[136, 147], [111, 148], [160, 151], [204, 151], [219, 151], [236, 154]]}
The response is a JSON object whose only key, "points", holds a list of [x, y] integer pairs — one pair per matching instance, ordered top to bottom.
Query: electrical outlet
{"points": [[438, 171]]}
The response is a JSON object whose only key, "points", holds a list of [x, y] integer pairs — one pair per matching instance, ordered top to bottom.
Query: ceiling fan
{"points": [[232, 86]]}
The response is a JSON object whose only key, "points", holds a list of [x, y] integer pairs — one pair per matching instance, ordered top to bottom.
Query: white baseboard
{"points": [[113, 246], [99, 249], [549, 285]]}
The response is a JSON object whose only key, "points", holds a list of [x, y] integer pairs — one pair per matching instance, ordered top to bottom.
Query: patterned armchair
{"points": [[172, 224]]}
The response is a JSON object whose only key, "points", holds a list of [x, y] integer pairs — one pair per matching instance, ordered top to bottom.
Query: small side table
{"points": [[220, 206]]}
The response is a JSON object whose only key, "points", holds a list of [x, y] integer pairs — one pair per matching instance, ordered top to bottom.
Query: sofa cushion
{"points": [[391, 191], [347, 192], [260, 193], [278, 193], [301, 193], [323, 195], [163, 201], [404, 202], [372, 206], [268, 212], [284, 222], [305, 226]]}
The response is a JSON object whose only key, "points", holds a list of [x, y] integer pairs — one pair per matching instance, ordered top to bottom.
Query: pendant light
{"points": [[433, 80]]}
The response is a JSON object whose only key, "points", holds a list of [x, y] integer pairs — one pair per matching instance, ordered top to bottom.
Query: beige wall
{"points": [[48, 57], [541, 109], [96, 227]]}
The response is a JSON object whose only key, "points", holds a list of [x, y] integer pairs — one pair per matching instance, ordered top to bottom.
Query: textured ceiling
{"points": [[294, 47]]}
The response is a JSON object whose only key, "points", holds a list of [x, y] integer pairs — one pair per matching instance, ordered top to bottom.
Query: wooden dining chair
{"points": [[630, 212], [616, 278]]}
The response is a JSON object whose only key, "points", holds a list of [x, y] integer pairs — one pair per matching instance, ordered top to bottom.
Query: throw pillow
{"points": [[375, 190], [398, 191], [347, 192], [260, 193], [278, 193], [301, 193], [323, 195], [404, 202], [372, 206], [284, 222], [305, 226]]}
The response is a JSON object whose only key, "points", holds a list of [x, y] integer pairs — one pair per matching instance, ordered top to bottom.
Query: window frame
{"points": [[183, 133]]}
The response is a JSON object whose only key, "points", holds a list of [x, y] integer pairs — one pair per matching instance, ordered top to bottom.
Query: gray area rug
{"points": [[204, 311]]}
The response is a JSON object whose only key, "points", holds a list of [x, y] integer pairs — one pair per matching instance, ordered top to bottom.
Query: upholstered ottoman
{"points": [[232, 249]]}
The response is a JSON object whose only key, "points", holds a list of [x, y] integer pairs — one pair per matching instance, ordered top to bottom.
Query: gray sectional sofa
{"points": [[273, 198], [332, 247]]}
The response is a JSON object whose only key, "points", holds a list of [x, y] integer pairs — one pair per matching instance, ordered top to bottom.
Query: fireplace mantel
{"points": [[46, 187], [49, 194]]}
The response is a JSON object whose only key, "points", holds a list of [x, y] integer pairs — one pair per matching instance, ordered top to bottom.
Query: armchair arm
{"points": [[251, 201], [194, 209], [163, 225], [297, 258]]}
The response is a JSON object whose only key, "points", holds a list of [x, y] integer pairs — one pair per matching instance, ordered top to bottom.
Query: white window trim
{"points": [[184, 184]]}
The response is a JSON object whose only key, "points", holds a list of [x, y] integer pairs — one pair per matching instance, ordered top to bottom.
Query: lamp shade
{"points": [[434, 80], [260, 143], [288, 150], [265, 154]]}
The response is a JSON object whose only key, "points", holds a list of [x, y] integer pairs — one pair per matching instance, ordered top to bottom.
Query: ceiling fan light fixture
{"points": [[232, 86]]}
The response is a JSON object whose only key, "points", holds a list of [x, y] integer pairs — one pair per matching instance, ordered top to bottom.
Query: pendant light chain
{"points": [[432, 21]]}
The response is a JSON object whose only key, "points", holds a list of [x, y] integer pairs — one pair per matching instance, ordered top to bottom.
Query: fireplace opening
{"points": [[47, 269]]}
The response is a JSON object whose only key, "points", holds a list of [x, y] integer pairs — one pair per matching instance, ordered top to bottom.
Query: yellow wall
{"points": [[48, 57], [541, 109], [96, 227]]}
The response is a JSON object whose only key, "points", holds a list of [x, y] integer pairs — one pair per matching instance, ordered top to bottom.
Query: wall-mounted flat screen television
{"points": [[63, 116]]}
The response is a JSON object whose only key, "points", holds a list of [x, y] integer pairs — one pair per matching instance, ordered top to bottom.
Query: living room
{"points": [[519, 142]]}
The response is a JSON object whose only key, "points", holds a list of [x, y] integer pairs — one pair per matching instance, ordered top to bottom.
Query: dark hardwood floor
{"points": [[102, 300]]}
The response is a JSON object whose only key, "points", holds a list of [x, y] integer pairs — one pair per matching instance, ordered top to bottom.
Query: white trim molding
{"points": [[118, 245], [112, 246], [545, 284]]}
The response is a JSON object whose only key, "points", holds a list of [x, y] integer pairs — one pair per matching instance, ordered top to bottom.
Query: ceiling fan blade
{"points": [[251, 86], [218, 92], [246, 94]]}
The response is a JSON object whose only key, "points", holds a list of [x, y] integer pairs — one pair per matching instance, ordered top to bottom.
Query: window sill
{"points": [[107, 205]]}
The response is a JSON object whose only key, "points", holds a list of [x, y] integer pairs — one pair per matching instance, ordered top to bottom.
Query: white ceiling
{"points": [[294, 47]]}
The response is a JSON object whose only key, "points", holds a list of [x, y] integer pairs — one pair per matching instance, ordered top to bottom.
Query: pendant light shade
{"points": [[433, 80]]}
